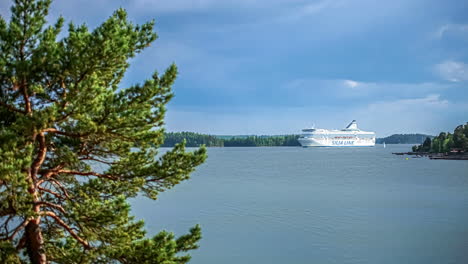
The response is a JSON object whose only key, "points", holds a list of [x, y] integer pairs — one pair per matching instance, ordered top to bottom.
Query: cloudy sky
{"points": [[277, 66]]}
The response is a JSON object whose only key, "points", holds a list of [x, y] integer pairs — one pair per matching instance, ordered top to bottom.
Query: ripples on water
{"points": [[319, 205]]}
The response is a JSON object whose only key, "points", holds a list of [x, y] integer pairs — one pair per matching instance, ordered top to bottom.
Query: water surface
{"points": [[319, 205]]}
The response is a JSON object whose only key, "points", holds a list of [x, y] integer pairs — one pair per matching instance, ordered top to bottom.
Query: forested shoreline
{"points": [[196, 139], [403, 139], [446, 142]]}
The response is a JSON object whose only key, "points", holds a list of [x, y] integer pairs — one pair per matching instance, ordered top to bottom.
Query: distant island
{"points": [[403, 139], [195, 140]]}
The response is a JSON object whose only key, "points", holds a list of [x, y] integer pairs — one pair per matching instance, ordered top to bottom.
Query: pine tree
{"points": [[74, 146], [426, 146]]}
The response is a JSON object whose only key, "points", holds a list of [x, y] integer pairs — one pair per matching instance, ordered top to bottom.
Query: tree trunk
{"points": [[34, 242]]}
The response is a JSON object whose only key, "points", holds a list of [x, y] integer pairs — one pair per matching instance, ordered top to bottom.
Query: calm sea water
{"points": [[319, 205]]}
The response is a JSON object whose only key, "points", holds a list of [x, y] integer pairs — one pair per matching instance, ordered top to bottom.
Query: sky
{"points": [[277, 66]]}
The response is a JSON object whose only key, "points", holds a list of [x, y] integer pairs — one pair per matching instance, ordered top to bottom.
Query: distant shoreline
{"points": [[195, 140]]}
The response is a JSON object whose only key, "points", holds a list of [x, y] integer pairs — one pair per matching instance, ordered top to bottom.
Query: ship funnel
{"points": [[352, 125]]}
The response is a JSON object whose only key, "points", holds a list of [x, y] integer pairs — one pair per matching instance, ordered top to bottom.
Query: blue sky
{"points": [[277, 66]]}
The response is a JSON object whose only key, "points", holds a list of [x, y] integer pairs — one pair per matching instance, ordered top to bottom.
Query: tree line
{"points": [[191, 139], [403, 139], [196, 140], [446, 142]]}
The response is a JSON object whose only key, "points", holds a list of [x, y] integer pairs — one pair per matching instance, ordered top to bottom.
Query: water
{"points": [[319, 205]]}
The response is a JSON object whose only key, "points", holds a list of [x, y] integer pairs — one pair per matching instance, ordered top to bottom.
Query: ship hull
{"points": [[310, 142]]}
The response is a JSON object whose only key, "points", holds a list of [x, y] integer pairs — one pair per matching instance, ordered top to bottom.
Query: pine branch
{"points": [[27, 101], [56, 131], [40, 156], [98, 160], [46, 174], [106, 176], [61, 187], [51, 192], [51, 205], [7, 211], [4, 225], [18, 228], [68, 228], [21, 243]]}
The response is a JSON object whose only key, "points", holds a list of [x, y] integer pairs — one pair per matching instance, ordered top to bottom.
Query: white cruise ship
{"points": [[351, 136]]}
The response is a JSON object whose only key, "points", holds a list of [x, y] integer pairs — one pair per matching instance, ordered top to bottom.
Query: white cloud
{"points": [[317, 7], [312, 8], [448, 29], [453, 71], [351, 83], [347, 88], [432, 100], [428, 114]]}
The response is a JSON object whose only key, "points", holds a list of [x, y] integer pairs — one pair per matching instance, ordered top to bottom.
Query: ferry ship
{"points": [[351, 136]]}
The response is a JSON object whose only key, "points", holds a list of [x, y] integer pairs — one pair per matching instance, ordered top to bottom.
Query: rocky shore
{"points": [[436, 156]]}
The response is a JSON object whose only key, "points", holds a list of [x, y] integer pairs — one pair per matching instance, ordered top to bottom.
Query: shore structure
{"points": [[351, 136]]}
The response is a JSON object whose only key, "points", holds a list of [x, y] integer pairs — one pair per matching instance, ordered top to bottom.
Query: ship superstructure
{"points": [[351, 136]]}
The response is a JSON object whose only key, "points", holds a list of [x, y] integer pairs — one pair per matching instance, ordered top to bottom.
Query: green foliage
{"points": [[460, 137], [192, 139], [403, 139], [196, 140], [262, 141], [446, 142], [74, 146], [426, 146], [163, 248], [8, 253]]}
